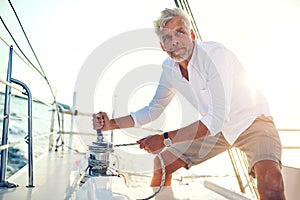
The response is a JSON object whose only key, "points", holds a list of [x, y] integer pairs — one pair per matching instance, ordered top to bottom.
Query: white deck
{"points": [[54, 174], [51, 177], [291, 177], [193, 191]]}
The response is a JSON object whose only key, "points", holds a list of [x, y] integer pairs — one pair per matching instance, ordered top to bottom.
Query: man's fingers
{"points": [[98, 121], [140, 140]]}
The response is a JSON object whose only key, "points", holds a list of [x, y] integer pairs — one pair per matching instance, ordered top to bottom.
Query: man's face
{"points": [[176, 40]]}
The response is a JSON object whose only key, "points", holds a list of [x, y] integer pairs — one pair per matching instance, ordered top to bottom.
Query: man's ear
{"points": [[193, 34], [162, 46]]}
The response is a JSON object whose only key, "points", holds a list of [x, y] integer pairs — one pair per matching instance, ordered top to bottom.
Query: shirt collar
{"points": [[176, 68]]}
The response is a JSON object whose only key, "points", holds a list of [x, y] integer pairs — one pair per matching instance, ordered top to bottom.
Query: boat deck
{"points": [[56, 171], [51, 176]]}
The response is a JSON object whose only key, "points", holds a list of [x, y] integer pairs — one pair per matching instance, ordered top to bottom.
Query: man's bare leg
{"points": [[171, 162], [269, 180]]}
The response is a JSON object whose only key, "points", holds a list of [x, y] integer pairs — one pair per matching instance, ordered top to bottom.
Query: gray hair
{"points": [[166, 15]]}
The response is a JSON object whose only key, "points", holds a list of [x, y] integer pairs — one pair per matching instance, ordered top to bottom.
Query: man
{"points": [[232, 113]]}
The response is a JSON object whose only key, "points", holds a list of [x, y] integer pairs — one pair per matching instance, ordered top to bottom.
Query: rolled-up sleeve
{"points": [[163, 95]]}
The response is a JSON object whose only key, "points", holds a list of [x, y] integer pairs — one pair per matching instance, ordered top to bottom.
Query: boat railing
{"points": [[10, 83], [59, 115], [5, 130]]}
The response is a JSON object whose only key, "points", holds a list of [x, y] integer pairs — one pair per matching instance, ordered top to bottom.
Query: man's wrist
{"points": [[113, 124], [167, 140]]}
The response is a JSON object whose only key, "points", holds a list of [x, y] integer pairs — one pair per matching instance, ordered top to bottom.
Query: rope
{"points": [[10, 85], [20, 90], [14, 144], [125, 145], [6, 146], [97, 166], [162, 178]]}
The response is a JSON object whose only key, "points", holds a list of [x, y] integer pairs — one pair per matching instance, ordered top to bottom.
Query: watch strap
{"points": [[166, 135]]}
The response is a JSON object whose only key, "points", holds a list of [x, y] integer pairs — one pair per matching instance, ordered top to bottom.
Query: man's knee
{"points": [[273, 179], [270, 183]]}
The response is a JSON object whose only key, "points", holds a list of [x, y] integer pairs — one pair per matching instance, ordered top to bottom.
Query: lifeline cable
{"points": [[184, 5], [12, 37], [42, 70]]}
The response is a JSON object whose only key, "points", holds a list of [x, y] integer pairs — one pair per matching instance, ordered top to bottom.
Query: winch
{"points": [[98, 160]]}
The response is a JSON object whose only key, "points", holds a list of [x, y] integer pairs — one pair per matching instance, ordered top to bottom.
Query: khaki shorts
{"points": [[259, 142]]}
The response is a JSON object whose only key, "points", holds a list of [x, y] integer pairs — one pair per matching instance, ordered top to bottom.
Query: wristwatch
{"points": [[167, 140]]}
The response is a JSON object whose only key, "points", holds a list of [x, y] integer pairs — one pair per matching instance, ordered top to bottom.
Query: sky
{"points": [[263, 34]]}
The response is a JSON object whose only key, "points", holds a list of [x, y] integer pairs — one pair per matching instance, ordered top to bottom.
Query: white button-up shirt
{"points": [[217, 88]]}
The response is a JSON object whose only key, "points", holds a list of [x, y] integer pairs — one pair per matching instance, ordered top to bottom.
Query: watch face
{"points": [[167, 142]]}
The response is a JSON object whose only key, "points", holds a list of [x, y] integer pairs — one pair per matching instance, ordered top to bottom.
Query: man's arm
{"points": [[121, 122], [193, 131], [155, 143]]}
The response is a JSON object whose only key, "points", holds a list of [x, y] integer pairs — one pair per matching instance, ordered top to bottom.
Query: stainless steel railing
{"points": [[5, 130]]}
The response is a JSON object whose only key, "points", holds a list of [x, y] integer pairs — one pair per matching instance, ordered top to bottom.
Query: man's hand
{"points": [[101, 121], [152, 143]]}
